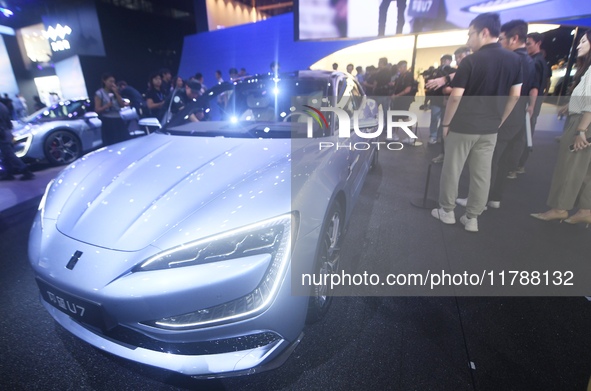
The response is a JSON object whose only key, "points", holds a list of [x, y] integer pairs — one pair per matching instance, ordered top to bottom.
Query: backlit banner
{"points": [[333, 19]]}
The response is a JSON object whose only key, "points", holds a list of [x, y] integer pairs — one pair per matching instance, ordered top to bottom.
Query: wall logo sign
{"points": [[57, 37]]}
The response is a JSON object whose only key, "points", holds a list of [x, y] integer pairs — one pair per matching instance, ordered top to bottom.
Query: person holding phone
{"points": [[107, 104], [571, 182]]}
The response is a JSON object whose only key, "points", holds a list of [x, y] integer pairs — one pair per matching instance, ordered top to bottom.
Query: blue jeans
{"points": [[435, 125]]}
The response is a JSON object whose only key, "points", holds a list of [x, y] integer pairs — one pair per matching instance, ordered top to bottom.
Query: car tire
{"points": [[62, 147], [327, 262]]}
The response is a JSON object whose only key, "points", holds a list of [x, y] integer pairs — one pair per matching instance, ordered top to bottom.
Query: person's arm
{"points": [[439, 82], [435, 84], [403, 92], [514, 94], [533, 96], [120, 100], [98, 104], [152, 105], [452, 106], [582, 134]]}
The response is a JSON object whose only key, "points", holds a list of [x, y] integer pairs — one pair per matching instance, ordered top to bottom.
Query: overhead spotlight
{"points": [[6, 12]]}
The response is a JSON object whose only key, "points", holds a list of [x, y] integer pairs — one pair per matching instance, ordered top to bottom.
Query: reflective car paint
{"points": [[76, 122], [128, 212]]}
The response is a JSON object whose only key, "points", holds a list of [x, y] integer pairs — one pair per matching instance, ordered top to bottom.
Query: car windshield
{"points": [[257, 107], [62, 110]]}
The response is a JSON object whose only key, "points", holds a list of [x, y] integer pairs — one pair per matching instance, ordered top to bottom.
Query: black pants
{"points": [[383, 15], [114, 130], [509, 140], [12, 163]]}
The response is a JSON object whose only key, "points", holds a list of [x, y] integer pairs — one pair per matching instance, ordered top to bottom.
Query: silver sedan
{"points": [[185, 249]]}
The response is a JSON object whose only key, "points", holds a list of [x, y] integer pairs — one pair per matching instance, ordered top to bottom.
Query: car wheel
{"points": [[62, 147], [327, 262]]}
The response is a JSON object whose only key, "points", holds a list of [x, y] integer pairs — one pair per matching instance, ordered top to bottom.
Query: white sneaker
{"points": [[394, 138], [432, 140], [413, 142], [512, 175], [462, 201], [494, 204], [445, 217], [470, 225]]}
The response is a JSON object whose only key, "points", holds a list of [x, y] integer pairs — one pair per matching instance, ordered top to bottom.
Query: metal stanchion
{"points": [[425, 203]]}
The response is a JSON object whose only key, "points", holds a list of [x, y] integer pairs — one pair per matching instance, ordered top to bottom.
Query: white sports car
{"points": [[61, 133]]}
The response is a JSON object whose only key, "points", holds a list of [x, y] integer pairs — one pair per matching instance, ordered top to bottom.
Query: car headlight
{"points": [[22, 143], [274, 236]]}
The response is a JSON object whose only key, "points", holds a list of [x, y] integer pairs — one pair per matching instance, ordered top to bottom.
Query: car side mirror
{"points": [[90, 115], [150, 122], [149, 125]]}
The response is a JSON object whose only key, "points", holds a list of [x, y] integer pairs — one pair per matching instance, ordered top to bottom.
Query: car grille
{"points": [[134, 339]]}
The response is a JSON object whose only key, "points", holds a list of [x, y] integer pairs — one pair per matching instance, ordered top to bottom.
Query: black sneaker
{"points": [[7, 177]]}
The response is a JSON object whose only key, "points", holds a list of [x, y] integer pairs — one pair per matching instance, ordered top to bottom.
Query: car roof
{"points": [[304, 74]]}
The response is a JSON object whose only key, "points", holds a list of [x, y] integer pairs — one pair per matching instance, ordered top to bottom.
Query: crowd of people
{"points": [[164, 96], [493, 100], [481, 112]]}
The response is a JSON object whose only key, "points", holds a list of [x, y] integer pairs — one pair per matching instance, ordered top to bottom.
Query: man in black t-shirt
{"points": [[533, 45], [380, 85], [402, 97], [436, 97], [476, 108], [512, 134], [13, 164]]}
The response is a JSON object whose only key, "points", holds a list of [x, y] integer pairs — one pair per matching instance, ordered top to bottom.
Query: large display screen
{"points": [[333, 19]]}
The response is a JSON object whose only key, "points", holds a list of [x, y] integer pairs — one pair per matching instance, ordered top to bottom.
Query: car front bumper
{"points": [[233, 363]]}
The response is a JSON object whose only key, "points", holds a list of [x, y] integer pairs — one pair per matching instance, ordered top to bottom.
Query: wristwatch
{"points": [[582, 133]]}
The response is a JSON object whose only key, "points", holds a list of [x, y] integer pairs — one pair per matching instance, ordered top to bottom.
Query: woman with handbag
{"points": [[107, 104], [571, 182]]}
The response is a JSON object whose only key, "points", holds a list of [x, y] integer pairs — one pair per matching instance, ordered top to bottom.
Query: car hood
{"points": [[127, 196]]}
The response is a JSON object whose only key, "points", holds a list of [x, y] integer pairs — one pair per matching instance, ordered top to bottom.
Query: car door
{"points": [[90, 125], [360, 149]]}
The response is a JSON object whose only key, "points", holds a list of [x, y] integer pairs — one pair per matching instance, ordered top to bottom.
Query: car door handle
{"points": [[352, 166]]}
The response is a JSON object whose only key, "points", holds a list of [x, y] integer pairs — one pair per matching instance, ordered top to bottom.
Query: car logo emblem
{"points": [[75, 258]]}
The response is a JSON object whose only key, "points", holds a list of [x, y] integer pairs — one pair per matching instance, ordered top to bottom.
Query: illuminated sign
{"points": [[57, 36]]}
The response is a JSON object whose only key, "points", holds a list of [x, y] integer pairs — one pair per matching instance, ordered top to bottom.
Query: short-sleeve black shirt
{"points": [[542, 72], [487, 77], [382, 79], [403, 82], [156, 97], [517, 116]]}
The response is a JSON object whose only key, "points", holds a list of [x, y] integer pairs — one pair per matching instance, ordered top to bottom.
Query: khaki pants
{"points": [[477, 150], [571, 182]]}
